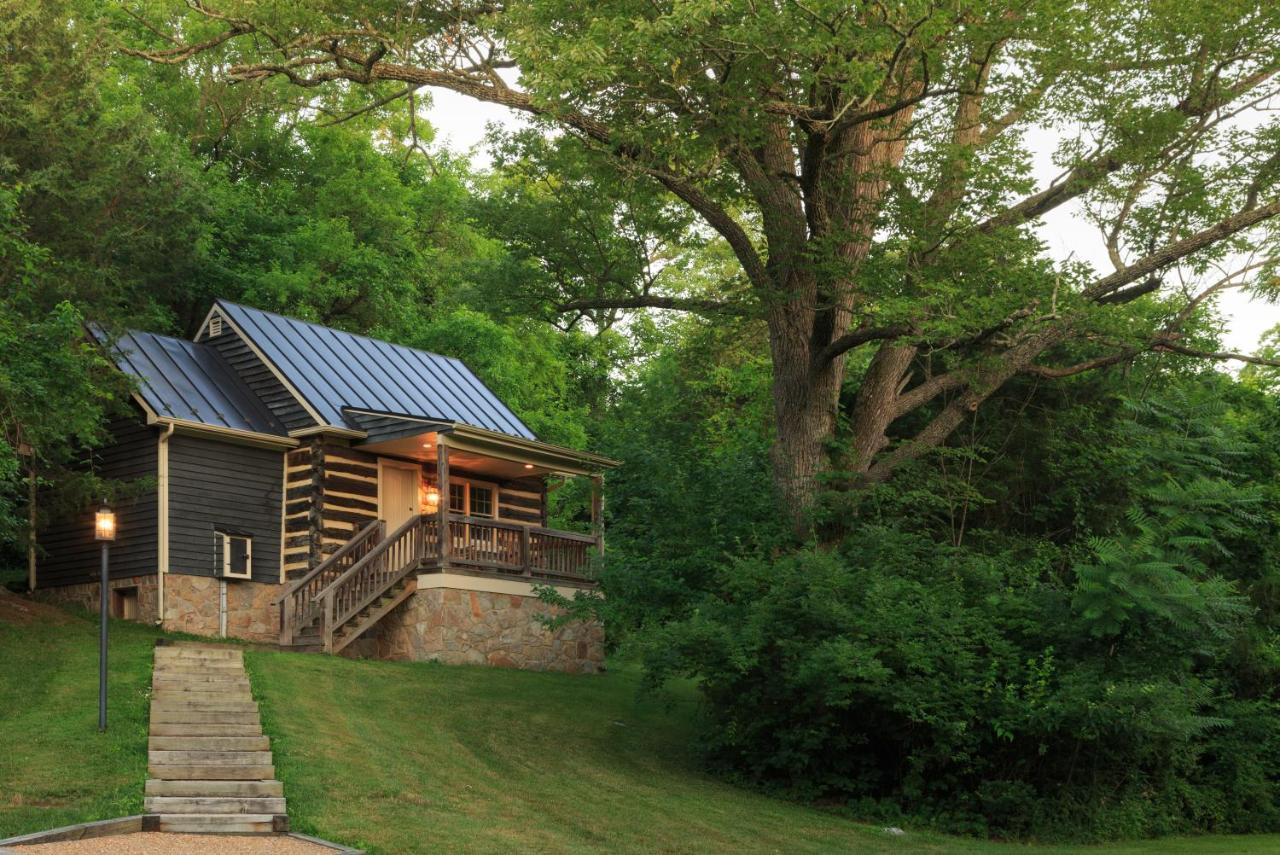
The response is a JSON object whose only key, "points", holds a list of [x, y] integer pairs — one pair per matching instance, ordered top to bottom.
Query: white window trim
{"points": [[226, 556]]}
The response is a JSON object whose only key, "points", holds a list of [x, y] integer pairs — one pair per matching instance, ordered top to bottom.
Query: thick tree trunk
{"points": [[805, 403]]}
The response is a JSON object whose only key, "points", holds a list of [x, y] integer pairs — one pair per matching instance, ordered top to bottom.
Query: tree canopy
{"points": [[866, 165]]}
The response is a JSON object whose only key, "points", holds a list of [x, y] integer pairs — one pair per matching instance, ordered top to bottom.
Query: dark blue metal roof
{"points": [[332, 369], [184, 380]]}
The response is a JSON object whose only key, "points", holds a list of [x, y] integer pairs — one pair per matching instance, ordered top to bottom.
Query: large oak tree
{"points": [[868, 165]]}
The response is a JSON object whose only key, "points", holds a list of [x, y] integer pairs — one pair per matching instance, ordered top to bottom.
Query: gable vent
{"points": [[215, 326]]}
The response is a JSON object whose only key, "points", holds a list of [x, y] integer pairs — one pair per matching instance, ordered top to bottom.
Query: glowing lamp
{"points": [[432, 499], [104, 524]]}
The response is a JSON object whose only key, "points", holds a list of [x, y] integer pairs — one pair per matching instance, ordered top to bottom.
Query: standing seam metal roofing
{"points": [[333, 369], [191, 382]]}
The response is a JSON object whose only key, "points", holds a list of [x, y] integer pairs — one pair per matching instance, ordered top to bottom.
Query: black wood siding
{"points": [[259, 378], [216, 485], [70, 554]]}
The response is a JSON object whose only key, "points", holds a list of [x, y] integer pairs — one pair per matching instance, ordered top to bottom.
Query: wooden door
{"points": [[397, 493]]}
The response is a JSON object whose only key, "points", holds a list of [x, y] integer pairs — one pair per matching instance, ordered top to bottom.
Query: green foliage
{"points": [[1088, 660]]}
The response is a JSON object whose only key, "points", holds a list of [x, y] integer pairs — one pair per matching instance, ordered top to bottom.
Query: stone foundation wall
{"points": [[85, 595], [191, 605], [469, 627]]}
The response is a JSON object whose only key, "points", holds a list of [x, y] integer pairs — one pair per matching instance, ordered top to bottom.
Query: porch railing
{"points": [[505, 547], [372, 562]]}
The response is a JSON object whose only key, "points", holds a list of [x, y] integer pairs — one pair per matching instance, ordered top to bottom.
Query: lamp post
{"points": [[104, 531]]}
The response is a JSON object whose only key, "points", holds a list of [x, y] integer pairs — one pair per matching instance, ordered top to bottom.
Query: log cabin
{"points": [[326, 491]]}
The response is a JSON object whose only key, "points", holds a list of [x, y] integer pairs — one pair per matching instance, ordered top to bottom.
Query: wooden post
{"points": [[597, 511], [442, 518], [525, 564], [286, 621], [328, 622]]}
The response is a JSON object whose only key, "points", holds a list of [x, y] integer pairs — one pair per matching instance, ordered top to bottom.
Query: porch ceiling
{"points": [[476, 449]]}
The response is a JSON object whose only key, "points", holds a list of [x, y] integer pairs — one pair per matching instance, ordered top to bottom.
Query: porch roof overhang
{"points": [[396, 433]]}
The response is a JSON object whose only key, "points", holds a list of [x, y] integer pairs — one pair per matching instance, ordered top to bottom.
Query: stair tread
{"points": [[204, 788]]}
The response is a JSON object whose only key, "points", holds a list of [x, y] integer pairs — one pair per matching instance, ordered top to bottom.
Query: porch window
{"points": [[472, 499], [481, 501]]}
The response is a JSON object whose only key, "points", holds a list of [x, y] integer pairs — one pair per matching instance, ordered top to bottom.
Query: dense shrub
{"points": [[1103, 668]]}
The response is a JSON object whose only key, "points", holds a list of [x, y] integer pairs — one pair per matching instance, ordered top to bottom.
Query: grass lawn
{"points": [[411, 757], [404, 758], [55, 768]]}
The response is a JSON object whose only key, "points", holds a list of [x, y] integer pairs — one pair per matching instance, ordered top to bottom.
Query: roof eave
{"points": [[495, 444]]}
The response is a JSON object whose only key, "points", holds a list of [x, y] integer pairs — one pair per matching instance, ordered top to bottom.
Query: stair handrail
{"points": [[383, 546], [324, 565], [295, 607], [331, 620]]}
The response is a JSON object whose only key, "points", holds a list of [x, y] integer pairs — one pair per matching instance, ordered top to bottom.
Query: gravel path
{"points": [[158, 843]]}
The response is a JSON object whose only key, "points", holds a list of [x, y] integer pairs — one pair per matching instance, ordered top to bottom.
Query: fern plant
{"points": [[1188, 503]]}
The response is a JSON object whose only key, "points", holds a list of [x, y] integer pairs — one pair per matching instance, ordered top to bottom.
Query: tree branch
{"points": [[1180, 249], [680, 304], [857, 338]]}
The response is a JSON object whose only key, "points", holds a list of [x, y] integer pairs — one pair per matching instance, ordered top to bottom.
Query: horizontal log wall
{"points": [[348, 495], [523, 500], [300, 508]]}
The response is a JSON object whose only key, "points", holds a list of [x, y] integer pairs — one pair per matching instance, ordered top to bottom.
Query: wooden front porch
{"points": [[375, 571]]}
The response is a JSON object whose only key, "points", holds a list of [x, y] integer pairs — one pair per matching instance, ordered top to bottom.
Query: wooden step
{"points": [[200, 658], [215, 667], [200, 675], [209, 682], [195, 691], [186, 703], [166, 716], [220, 728], [209, 743], [209, 758], [177, 772], [207, 788], [212, 804], [223, 823]]}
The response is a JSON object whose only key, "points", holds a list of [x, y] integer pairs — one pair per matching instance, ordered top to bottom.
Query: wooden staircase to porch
{"points": [[368, 576]]}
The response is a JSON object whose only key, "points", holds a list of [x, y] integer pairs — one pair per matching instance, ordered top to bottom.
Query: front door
{"points": [[397, 493]]}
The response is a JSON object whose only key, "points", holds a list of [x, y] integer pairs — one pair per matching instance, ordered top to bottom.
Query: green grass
{"points": [[409, 757], [405, 758], [55, 767]]}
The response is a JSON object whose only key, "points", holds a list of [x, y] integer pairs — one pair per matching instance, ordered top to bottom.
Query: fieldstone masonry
{"points": [[85, 595], [191, 605], [454, 625], [467, 627]]}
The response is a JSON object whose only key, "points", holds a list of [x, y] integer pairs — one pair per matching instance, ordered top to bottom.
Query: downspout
{"points": [[162, 521], [222, 608]]}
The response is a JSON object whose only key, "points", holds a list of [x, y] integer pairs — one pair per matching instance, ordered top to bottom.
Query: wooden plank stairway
{"points": [[210, 766]]}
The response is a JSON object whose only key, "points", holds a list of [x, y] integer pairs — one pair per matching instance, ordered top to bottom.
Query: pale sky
{"points": [[461, 124]]}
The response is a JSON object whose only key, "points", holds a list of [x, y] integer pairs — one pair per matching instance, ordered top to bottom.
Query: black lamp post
{"points": [[104, 531]]}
